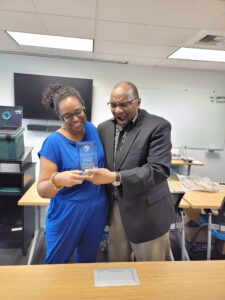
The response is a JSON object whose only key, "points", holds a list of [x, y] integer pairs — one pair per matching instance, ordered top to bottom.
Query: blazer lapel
{"points": [[131, 136], [121, 155]]}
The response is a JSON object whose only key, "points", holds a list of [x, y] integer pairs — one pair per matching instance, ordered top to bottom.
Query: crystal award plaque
{"points": [[87, 155]]}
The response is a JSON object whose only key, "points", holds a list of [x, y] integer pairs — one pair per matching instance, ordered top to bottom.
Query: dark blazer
{"points": [[145, 203]]}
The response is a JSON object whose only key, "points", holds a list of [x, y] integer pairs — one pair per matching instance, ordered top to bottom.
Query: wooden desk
{"points": [[180, 162], [32, 198], [200, 200], [205, 200], [202, 280]]}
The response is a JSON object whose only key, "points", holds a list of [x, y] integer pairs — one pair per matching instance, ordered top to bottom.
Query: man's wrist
{"points": [[117, 181]]}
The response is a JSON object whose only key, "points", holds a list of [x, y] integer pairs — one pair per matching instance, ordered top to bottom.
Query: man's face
{"points": [[124, 105]]}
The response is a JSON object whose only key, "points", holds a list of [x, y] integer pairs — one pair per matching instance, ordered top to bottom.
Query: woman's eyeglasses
{"points": [[122, 105], [69, 116]]}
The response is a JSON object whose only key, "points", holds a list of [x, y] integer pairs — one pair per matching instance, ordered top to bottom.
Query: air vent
{"points": [[212, 40]]}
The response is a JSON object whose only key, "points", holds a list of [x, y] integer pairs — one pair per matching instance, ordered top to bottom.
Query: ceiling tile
{"points": [[22, 5], [74, 8], [128, 10], [188, 14], [18, 21], [217, 24], [68, 26], [124, 32], [142, 32], [157, 35], [113, 47], [153, 51]]}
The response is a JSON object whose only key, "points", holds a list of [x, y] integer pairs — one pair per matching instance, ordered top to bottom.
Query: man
{"points": [[138, 156]]}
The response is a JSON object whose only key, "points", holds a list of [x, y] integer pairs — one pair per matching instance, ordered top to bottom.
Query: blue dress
{"points": [[77, 215]]}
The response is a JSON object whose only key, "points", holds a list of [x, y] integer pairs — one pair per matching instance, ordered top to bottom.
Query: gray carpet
{"points": [[13, 256]]}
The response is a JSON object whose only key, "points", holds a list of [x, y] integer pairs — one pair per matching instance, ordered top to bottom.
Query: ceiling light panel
{"points": [[50, 41], [199, 54]]}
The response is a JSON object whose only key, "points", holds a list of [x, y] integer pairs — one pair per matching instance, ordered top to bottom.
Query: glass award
{"points": [[87, 155]]}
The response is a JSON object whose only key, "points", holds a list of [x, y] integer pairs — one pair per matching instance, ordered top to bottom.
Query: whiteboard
{"points": [[197, 117]]}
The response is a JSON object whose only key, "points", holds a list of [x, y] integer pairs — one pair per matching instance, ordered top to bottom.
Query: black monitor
{"points": [[28, 90]]}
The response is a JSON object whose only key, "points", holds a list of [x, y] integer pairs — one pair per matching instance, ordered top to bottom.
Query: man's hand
{"points": [[100, 176]]}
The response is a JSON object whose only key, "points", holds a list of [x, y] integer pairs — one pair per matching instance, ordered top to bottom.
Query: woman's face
{"points": [[72, 113]]}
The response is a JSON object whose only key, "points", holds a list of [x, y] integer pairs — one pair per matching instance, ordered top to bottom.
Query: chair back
{"points": [[176, 198], [221, 214]]}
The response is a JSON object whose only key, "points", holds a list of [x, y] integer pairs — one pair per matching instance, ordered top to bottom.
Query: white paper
{"points": [[197, 183], [116, 277]]}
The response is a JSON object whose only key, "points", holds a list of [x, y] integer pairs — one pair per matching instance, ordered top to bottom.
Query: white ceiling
{"points": [[141, 32]]}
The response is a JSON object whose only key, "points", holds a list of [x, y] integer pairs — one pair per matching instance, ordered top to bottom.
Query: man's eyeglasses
{"points": [[122, 105], [69, 116]]}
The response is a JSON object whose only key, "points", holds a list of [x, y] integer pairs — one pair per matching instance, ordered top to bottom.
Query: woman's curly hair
{"points": [[56, 92]]}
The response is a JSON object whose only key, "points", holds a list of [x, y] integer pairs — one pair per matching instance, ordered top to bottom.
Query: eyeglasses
{"points": [[122, 105], [69, 116]]}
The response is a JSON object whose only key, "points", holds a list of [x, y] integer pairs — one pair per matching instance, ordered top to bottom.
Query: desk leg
{"points": [[189, 170], [36, 233], [182, 238], [209, 240], [184, 253], [171, 255]]}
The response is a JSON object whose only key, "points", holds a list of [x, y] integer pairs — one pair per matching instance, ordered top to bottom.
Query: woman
{"points": [[78, 210]]}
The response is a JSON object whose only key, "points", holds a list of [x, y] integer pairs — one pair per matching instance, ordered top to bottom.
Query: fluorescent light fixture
{"points": [[51, 41], [199, 54]]}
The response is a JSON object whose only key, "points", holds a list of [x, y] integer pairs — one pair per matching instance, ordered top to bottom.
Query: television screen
{"points": [[28, 90]]}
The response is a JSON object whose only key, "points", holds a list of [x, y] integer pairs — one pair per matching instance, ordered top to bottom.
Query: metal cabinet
{"points": [[16, 222]]}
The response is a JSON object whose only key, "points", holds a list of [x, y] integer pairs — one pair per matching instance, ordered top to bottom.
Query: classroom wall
{"points": [[105, 75]]}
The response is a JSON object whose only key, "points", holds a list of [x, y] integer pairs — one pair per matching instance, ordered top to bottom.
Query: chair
{"points": [[215, 222], [178, 224]]}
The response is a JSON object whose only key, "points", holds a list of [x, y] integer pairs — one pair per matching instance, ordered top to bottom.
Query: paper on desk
{"points": [[199, 184], [116, 277]]}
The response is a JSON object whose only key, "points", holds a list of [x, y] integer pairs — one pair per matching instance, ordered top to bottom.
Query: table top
{"points": [[181, 162], [32, 198], [193, 199], [198, 199], [200, 280]]}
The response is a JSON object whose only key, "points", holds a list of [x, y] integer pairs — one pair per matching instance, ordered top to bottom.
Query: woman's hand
{"points": [[100, 176], [69, 178], [45, 188]]}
